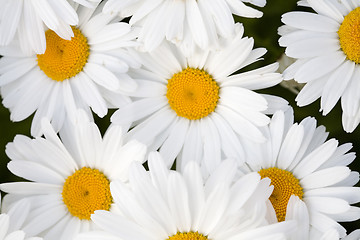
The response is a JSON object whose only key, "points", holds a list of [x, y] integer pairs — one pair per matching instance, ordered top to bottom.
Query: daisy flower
{"points": [[30, 19], [188, 23], [326, 46], [88, 71], [194, 108], [301, 163], [69, 178], [167, 205], [11, 223]]}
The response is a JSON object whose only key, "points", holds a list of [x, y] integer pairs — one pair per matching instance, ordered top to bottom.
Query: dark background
{"points": [[264, 31]]}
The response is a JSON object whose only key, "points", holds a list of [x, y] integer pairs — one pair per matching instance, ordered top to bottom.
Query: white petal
{"points": [[46, 13], [10, 20], [310, 21], [196, 24], [34, 28], [312, 47], [319, 66], [336, 86], [311, 91], [90, 93], [350, 101], [138, 110], [240, 125], [174, 143], [211, 144], [290, 146], [315, 159], [35, 172], [325, 178], [30, 188], [349, 194], [179, 202], [327, 205], [44, 220], [119, 226]]}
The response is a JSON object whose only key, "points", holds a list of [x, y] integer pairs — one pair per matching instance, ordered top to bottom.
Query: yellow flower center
{"points": [[349, 35], [63, 59], [192, 93], [285, 185], [86, 191], [188, 236]]}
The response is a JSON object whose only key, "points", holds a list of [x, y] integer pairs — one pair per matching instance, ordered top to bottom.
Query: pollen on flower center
{"points": [[349, 35], [63, 59], [192, 93], [285, 185], [86, 191], [188, 236]]}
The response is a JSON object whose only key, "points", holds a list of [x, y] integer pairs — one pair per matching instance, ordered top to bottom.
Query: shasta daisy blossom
{"points": [[29, 19], [187, 23], [326, 45], [88, 71], [195, 107], [69, 178], [312, 181], [161, 204]]}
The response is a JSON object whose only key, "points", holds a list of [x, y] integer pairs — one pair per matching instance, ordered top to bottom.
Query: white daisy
{"points": [[30, 18], [188, 23], [326, 45], [89, 71], [193, 108], [301, 162], [69, 178], [166, 205]]}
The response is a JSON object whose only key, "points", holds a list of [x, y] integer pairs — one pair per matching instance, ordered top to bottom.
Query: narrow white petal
{"points": [[46, 13], [10, 20], [310, 21], [196, 24], [34, 28], [312, 47], [319, 66], [336, 85], [311, 91], [138, 110], [240, 125], [175, 141], [211, 144], [290, 146], [316, 158], [35, 172], [325, 178], [31, 188], [349, 194], [179, 202], [327, 205], [44, 220], [119, 226]]}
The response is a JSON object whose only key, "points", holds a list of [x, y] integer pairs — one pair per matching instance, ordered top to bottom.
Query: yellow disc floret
{"points": [[349, 35], [63, 59], [192, 93], [285, 185], [86, 191], [188, 236]]}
